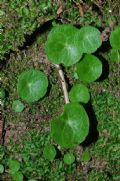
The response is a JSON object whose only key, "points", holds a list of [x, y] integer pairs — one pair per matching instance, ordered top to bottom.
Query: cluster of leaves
{"points": [[67, 45], [67, 49]]}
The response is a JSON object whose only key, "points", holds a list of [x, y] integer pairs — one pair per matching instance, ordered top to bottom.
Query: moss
{"points": [[21, 18], [106, 107], [29, 152], [98, 176]]}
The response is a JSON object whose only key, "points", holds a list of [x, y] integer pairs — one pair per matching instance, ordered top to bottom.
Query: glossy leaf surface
{"points": [[115, 38], [89, 39], [62, 46], [114, 55], [89, 68], [32, 85], [79, 93], [17, 106], [72, 127], [49, 152], [69, 158], [14, 165], [18, 176]]}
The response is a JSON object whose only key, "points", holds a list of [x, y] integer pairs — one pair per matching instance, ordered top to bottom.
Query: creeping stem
{"points": [[63, 82]]}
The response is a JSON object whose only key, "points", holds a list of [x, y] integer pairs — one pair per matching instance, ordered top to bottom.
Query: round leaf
{"points": [[115, 38], [89, 39], [62, 46], [114, 55], [89, 69], [32, 85], [2, 93], [79, 93], [17, 106], [72, 127], [49, 152], [85, 156], [69, 158], [14, 165], [1, 168], [18, 176]]}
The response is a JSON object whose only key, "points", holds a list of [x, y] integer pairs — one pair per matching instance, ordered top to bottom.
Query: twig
{"points": [[106, 32], [63, 82]]}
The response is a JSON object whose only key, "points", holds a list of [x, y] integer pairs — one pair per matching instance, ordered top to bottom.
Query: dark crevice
{"points": [[30, 39], [93, 132]]}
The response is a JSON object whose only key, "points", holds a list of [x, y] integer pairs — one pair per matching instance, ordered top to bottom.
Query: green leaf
{"points": [[115, 38], [89, 39], [62, 46], [114, 55], [89, 68], [32, 85], [2, 93], [79, 93], [17, 106], [72, 127], [49, 152], [85, 156], [69, 158], [14, 165], [1, 169], [18, 176]]}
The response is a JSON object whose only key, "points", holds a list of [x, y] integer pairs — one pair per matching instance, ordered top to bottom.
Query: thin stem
{"points": [[63, 82]]}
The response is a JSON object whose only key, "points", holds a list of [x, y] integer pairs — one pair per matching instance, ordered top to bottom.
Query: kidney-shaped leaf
{"points": [[115, 38], [89, 39], [62, 46], [89, 68], [32, 85], [79, 93], [17, 106], [72, 127], [49, 152], [69, 158]]}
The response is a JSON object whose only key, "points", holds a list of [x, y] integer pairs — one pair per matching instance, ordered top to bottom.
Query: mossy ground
{"points": [[30, 129]]}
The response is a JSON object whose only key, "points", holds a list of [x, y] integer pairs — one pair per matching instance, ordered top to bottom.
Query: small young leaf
{"points": [[115, 38], [89, 39], [62, 46], [114, 55], [89, 68], [32, 85], [2, 93], [79, 93], [17, 106], [72, 127], [49, 152], [85, 156], [69, 158], [14, 165], [1, 169], [18, 176]]}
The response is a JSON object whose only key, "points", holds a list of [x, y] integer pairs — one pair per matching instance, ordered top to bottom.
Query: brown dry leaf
{"points": [[81, 6], [60, 10], [81, 10]]}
